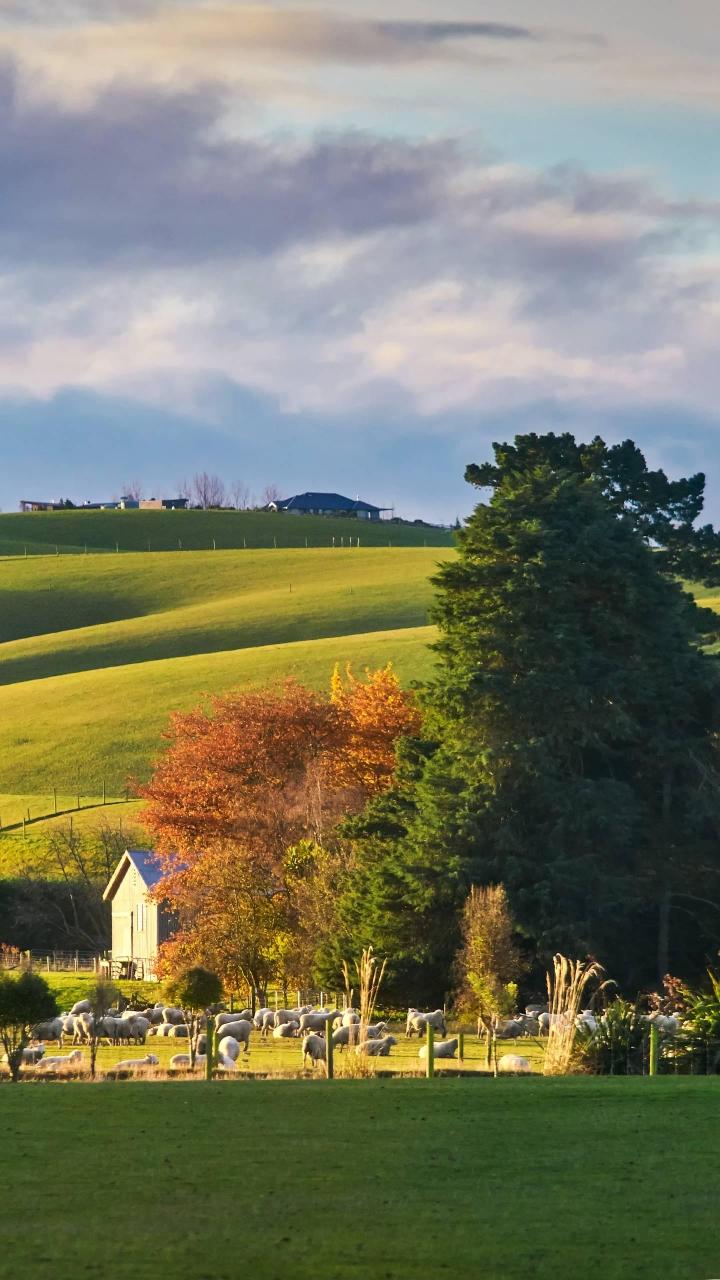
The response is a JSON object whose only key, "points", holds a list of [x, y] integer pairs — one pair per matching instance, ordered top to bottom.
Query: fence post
{"points": [[430, 1033], [461, 1045], [329, 1046], [654, 1047], [209, 1048]]}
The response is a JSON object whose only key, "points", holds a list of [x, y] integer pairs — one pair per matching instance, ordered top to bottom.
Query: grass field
{"points": [[73, 531], [69, 615], [372, 1180]]}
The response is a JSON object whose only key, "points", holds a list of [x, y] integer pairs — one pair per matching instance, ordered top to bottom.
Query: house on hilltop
{"points": [[327, 504], [140, 922]]}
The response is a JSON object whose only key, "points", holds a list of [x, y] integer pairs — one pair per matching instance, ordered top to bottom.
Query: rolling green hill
{"points": [[71, 532], [83, 613], [97, 651]]}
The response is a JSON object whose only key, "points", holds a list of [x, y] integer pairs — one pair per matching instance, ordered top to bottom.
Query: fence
{"points": [[56, 804], [54, 961]]}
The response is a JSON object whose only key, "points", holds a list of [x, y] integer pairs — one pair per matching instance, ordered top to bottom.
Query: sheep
{"points": [[81, 1006], [170, 1014], [289, 1015], [222, 1018], [350, 1018], [258, 1019], [548, 1020], [318, 1021], [586, 1021], [417, 1022], [268, 1023], [667, 1024], [69, 1025], [84, 1028], [52, 1029], [510, 1029], [285, 1030], [178, 1031], [239, 1031], [346, 1035], [229, 1047], [314, 1047], [377, 1048], [441, 1049], [31, 1055], [179, 1060], [57, 1062], [514, 1062], [137, 1064]]}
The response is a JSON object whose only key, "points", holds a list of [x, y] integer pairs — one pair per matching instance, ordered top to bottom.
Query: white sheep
{"points": [[81, 1006], [259, 1016], [222, 1018], [318, 1020], [417, 1022], [268, 1023], [83, 1028], [285, 1030], [239, 1031], [346, 1035], [229, 1047], [314, 1047], [377, 1048], [441, 1049], [31, 1055], [58, 1061], [514, 1062], [137, 1064]]}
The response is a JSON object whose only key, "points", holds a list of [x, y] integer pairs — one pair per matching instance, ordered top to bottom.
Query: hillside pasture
{"points": [[74, 531], [63, 616], [77, 729], [377, 1178]]}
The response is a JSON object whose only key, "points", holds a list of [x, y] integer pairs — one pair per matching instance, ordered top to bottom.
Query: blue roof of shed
{"points": [[327, 502], [144, 862]]}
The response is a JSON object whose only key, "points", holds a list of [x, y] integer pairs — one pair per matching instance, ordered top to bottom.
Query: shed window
{"points": [[140, 917]]}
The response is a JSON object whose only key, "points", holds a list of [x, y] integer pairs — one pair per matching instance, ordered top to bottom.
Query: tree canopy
{"points": [[570, 746]]}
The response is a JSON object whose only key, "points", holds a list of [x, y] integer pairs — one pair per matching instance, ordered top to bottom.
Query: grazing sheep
{"points": [[81, 1006], [170, 1014], [290, 1015], [222, 1018], [350, 1018], [258, 1019], [319, 1020], [548, 1020], [586, 1021], [417, 1022], [268, 1023], [667, 1024], [530, 1025], [84, 1028], [52, 1029], [510, 1029], [285, 1030], [239, 1031], [178, 1032], [346, 1035], [229, 1047], [314, 1047], [377, 1048], [441, 1049], [31, 1055], [182, 1060], [58, 1061], [514, 1062], [136, 1064]]}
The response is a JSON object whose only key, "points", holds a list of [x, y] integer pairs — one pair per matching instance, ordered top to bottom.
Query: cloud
{"points": [[433, 32]]}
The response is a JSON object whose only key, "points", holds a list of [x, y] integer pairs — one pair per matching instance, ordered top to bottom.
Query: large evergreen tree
{"points": [[571, 749]]}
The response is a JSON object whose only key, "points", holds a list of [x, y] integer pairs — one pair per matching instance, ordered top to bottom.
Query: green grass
{"points": [[72, 531], [84, 614], [108, 723], [371, 1180]]}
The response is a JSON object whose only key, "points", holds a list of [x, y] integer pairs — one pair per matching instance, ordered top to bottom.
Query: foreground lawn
{"points": [[498, 1179]]}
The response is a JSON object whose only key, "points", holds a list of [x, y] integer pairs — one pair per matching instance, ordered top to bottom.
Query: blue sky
{"points": [[323, 245]]}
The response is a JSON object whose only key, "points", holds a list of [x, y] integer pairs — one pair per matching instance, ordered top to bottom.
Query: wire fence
{"points": [[19, 816]]}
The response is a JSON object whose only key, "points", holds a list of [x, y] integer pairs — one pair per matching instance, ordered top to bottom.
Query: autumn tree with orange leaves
{"points": [[244, 805]]}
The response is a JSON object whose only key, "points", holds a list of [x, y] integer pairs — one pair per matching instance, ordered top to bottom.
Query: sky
{"points": [[345, 246]]}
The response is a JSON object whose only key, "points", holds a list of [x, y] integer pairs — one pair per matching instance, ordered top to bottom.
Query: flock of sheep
{"points": [[309, 1025], [233, 1031]]}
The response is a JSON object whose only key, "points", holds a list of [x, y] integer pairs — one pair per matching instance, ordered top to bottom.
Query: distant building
{"points": [[32, 504], [115, 504], [162, 504], [327, 504], [139, 921]]}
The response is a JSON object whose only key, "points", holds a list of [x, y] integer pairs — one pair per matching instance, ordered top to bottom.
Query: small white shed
{"points": [[139, 922]]}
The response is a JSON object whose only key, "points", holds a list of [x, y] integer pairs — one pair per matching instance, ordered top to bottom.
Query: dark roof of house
{"points": [[326, 502], [145, 863]]}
